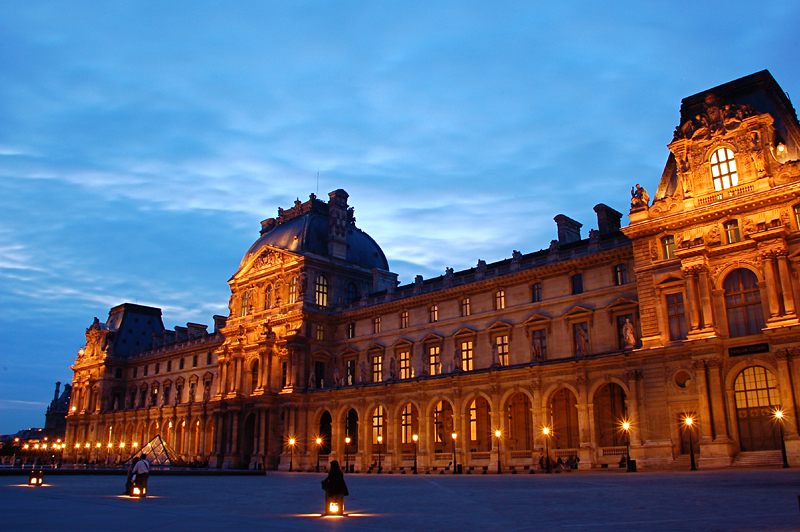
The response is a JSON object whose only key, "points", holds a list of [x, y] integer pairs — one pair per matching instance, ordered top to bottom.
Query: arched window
{"points": [[723, 169], [293, 290], [321, 291], [268, 297], [743, 303], [757, 398], [377, 423]]}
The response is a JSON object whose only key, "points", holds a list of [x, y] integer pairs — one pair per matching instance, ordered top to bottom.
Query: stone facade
{"points": [[688, 311]]}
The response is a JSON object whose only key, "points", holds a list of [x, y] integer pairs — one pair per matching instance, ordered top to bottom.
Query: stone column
{"points": [[786, 285], [772, 286], [693, 296], [705, 298], [222, 389], [787, 398], [717, 401], [634, 415], [704, 428]]}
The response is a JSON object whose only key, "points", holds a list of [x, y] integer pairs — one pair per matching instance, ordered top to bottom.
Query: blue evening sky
{"points": [[141, 143]]}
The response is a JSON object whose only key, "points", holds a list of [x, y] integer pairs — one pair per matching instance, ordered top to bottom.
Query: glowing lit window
{"points": [[723, 169], [797, 216], [732, 233], [668, 247], [620, 274], [293, 290], [321, 291], [268, 297], [500, 300], [245, 303], [465, 308], [434, 313], [404, 319], [376, 325], [351, 330], [320, 332], [502, 349], [466, 355], [433, 360], [405, 364], [377, 368], [756, 387], [473, 422], [377, 423], [406, 424]]}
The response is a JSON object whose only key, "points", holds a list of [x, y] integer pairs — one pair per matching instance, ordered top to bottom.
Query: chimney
{"points": [[608, 220], [337, 224], [568, 229], [219, 323], [196, 330], [58, 387]]}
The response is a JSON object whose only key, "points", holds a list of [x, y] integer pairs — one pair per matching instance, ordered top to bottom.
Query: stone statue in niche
{"points": [[639, 197], [628, 334], [580, 343], [536, 349], [494, 355], [457, 360], [423, 368], [392, 369], [363, 373], [312, 379], [337, 380]]}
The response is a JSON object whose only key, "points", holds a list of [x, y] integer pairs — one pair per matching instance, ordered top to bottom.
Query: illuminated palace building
{"points": [[689, 311]]}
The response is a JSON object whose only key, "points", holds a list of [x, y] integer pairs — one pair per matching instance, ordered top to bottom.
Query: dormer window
{"points": [[723, 169], [732, 233], [668, 247]]}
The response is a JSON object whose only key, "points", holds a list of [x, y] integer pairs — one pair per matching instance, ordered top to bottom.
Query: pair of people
{"points": [[137, 474]]}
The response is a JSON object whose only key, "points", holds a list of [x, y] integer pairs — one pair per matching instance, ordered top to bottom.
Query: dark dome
{"points": [[309, 233]]}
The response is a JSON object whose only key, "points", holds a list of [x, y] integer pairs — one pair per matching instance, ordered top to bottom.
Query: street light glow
{"points": [[779, 414], [688, 421], [626, 425], [546, 431], [497, 433], [455, 435], [415, 437], [291, 441]]}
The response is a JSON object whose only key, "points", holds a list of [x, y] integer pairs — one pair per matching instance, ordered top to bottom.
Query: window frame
{"points": [[723, 170], [733, 233], [667, 243], [576, 283], [321, 291], [536, 292], [500, 299], [433, 313]]}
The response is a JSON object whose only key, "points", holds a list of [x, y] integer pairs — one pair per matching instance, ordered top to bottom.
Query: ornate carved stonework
{"points": [[717, 119], [268, 258]]}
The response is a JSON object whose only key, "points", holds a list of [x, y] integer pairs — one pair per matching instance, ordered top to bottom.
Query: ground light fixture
{"points": [[779, 417], [689, 421], [497, 435], [415, 437], [347, 454], [380, 466], [547, 466], [455, 468], [36, 478]]}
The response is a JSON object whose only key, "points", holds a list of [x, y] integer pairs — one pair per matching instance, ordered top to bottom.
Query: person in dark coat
{"points": [[129, 482], [335, 487]]}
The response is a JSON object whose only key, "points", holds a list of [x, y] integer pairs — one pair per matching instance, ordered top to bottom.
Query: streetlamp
{"points": [[779, 417], [688, 421], [626, 426], [497, 435], [415, 438], [319, 446], [108, 452], [291, 452], [347, 454], [380, 466], [455, 468], [548, 468]]}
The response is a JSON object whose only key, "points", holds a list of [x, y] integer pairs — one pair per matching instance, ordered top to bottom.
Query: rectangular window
{"points": [[797, 216], [732, 234], [668, 247], [620, 274], [577, 283], [293, 290], [536, 290], [321, 291], [500, 300], [465, 309], [434, 313], [676, 316], [404, 319], [376, 325], [351, 330], [320, 332], [539, 344], [502, 349], [466, 355], [208, 359], [433, 360], [194, 361], [181, 363], [405, 364], [169, 366], [158, 367], [377, 368], [145, 370], [135, 372], [350, 372], [118, 373], [319, 373], [284, 375], [165, 396], [473, 422], [377, 425], [405, 433]]}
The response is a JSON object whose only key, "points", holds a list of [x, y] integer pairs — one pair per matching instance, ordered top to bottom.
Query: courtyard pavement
{"points": [[723, 500]]}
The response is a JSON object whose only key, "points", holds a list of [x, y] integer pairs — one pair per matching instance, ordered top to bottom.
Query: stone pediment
{"points": [[266, 259], [622, 303], [578, 312], [499, 324], [465, 331], [433, 337], [403, 342], [376, 347], [349, 352]]}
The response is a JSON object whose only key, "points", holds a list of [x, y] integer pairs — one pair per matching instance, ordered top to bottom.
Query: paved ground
{"points": [[751, 500]]}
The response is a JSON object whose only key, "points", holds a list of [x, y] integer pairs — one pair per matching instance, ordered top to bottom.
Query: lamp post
{"points": [[779, 417], [689, 421], [626, 426], [497, 435], [415, 438], [319, 447], [108, 452], [291, 453], [347, 454], [380, 466], [547, 466], [455, 468]]}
